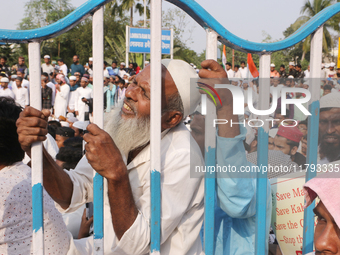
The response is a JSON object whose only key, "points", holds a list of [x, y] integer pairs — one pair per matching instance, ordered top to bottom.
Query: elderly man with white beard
{"points": [[121, 154]]}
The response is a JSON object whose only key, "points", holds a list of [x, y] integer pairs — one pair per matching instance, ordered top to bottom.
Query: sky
{"points": [[244, 18]]}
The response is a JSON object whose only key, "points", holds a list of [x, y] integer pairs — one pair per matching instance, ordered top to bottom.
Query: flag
{"points": [[224, 58], [251, 67]]}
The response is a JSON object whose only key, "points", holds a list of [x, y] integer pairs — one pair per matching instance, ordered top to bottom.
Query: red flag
{"points": [[251, 66]]}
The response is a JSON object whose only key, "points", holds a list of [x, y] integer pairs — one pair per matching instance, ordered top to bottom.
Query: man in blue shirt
{"points": [[76, 67], [235, 207]]}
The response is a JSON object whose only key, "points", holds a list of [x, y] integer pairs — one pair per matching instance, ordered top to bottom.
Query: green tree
{"points": [[119, 7], [310, 9]]}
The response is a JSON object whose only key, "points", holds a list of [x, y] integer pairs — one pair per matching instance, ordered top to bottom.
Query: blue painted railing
{"points": [[203, 18]]}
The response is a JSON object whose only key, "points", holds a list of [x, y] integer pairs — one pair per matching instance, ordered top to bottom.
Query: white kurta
{"points": [[230, 73], [7, 93], [21, 96], [72, 99], [61, 101], [80, 106], [182, 200]]}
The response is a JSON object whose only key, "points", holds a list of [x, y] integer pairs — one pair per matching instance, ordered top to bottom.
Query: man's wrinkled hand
{"points": [[32, 127], [103, 155]]}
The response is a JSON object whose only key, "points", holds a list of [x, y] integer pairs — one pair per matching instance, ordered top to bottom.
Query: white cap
{"points": [[47, 56], [91, 59], [146, 62], [291, 63], [122, 64], [332, 64], [272, 65], [327, 65], [181, 72], [128, 75], [14, 76], [290, 77], [72, 78], [4, 79], [330, 100], [71, 118], [64, 124], [80, 125], [272, 132]]}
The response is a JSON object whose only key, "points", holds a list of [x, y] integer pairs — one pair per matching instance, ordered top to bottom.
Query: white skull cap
{"points": [[181, 72], [331, 100]]}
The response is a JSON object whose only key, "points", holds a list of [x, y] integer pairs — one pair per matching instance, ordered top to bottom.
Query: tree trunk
{"points": [[131, 16], [303, 56]]}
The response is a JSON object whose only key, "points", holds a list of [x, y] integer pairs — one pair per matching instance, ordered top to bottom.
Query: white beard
{"points": [[127, 134]]}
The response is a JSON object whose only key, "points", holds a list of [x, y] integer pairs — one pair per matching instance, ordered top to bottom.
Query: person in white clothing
{"points": [[47, 67], [62, 67], [122, 70], [243, 70], [230, 71], [307, 72], [237, 73], [330, 73], [25, 83], [5, 91], [73, 93], [83, 93], [21, 94], [61, 99], [122, 156]]}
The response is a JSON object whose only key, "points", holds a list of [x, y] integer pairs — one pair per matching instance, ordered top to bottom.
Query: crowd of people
{"points": [[66, 90], [73, 148]]}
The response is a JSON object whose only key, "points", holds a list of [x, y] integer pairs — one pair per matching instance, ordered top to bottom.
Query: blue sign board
{"points": [[139, 40]]}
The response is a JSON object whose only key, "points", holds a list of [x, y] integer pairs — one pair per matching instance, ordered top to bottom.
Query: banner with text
{"points": [[140, 40]]}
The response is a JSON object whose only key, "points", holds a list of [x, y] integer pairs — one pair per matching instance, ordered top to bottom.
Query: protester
{"points": [[3, 64], [20, 65], [89, 66], [47, 67], [62, 67], [76, 67], [122, 69], [273, 72], [282, 72], [45, 77], [5, 91], [46, 93], [83, 93], [61, 99], [79, 128], [329, 128], [62, 134], [287, 140], [129, 209], [235, 210], [326, 233]]}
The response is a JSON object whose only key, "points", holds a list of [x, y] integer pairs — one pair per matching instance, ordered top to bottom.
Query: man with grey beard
{"points": [[329, 128], [121, 154]]}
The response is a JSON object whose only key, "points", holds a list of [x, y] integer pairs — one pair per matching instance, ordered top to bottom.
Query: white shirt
{"points": [[47, 68], [64, 69], [244, 72], [121, 73], [230, 73], [307, 73], [237, 74], [330, 74], [7, 93], [21, 96], [61, 101], [80, 106], [182, 200], [16, 214]]}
